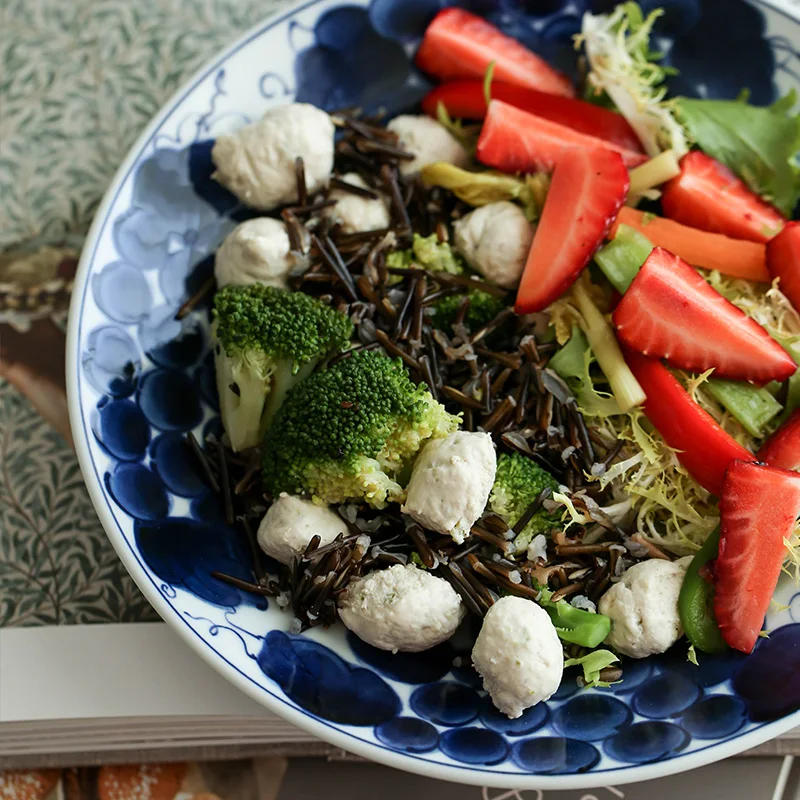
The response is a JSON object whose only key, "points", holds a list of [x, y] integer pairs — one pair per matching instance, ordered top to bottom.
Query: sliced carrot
{"points": [[735, 257]]}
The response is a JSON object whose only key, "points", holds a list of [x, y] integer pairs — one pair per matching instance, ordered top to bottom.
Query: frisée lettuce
{"points": [[622, 65]]}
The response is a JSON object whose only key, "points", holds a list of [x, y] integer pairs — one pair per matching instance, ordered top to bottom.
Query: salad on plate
{"points": [[528, 356]]}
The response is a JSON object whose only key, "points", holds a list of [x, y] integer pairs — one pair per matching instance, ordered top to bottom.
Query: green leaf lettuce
{"points": [[758, 143]]}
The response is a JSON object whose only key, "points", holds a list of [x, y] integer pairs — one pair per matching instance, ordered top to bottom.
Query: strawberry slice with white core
{"points": [[458, 44], [513, 140], [587, 190], [670, 312], [758, 510]]}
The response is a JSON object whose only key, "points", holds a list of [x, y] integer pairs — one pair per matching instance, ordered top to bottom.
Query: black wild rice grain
{"points": [[300, 178], [360, 191], [206, 288], [202, 460], [225, 484], [270, 590]]}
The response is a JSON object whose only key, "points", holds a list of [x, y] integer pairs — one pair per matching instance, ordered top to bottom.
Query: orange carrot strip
{"points": [[734, 257]]}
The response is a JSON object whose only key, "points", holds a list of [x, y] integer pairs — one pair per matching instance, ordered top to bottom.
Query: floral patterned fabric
{"points": [[78, 82]]}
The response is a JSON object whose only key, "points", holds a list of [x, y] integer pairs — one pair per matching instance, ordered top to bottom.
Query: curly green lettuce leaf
{"points": [[759, 143], [482, 188], [573, 363], [669, 507], [592, 664]]}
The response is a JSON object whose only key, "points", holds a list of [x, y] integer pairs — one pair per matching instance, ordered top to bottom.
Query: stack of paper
{"points": [[110, 689]]}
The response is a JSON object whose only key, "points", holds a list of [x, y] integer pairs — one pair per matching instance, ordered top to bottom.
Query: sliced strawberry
{"points": [[458, 44], [466, 99], [513, 140], [587, 190], [708, 196], [783, 261], [670, 312], [700, 444], [782, 449], [758, 510]]}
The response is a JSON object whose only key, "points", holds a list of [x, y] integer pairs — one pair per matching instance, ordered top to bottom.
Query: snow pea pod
{"points": [[696, 601]]}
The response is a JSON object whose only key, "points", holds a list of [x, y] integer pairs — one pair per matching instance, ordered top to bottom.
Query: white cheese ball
{"points": [[428, 140], [257, 162], [355, 213], [495, 240], [257, 251], [450, 483], [291, 522], [643, 607], [401, 608], [519, 655]]}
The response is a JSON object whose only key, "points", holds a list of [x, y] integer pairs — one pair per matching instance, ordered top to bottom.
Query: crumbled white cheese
{"points": [[428, 140], [257, 162], [355, 213], [495, 240], [257, 251], [450, 483], [291, 522], [401, 608], [643, 608], [518, 654]]}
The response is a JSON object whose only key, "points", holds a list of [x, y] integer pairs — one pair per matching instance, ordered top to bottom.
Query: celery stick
{"points": [[652, 173], [623, 256], [569, 361], [624, 386], [751, 406]]}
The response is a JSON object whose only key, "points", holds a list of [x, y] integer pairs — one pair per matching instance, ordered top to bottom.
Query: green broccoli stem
{"points": [[623, 257], [624, 386], [751, 406], [575, 625]]}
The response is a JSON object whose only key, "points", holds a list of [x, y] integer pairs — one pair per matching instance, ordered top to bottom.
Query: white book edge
{"points": [[115, 687]]}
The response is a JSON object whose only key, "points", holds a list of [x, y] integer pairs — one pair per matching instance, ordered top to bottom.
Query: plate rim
{"points": [[324, 730]]}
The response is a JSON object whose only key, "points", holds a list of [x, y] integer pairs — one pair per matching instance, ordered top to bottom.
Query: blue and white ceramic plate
{"points": [[139, 381]]}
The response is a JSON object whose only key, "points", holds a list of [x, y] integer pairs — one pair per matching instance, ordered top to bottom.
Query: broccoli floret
{"points": [[431, 254], [401, 259], [483, 308], [265, 341], [349, 431], [518, 482]]}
